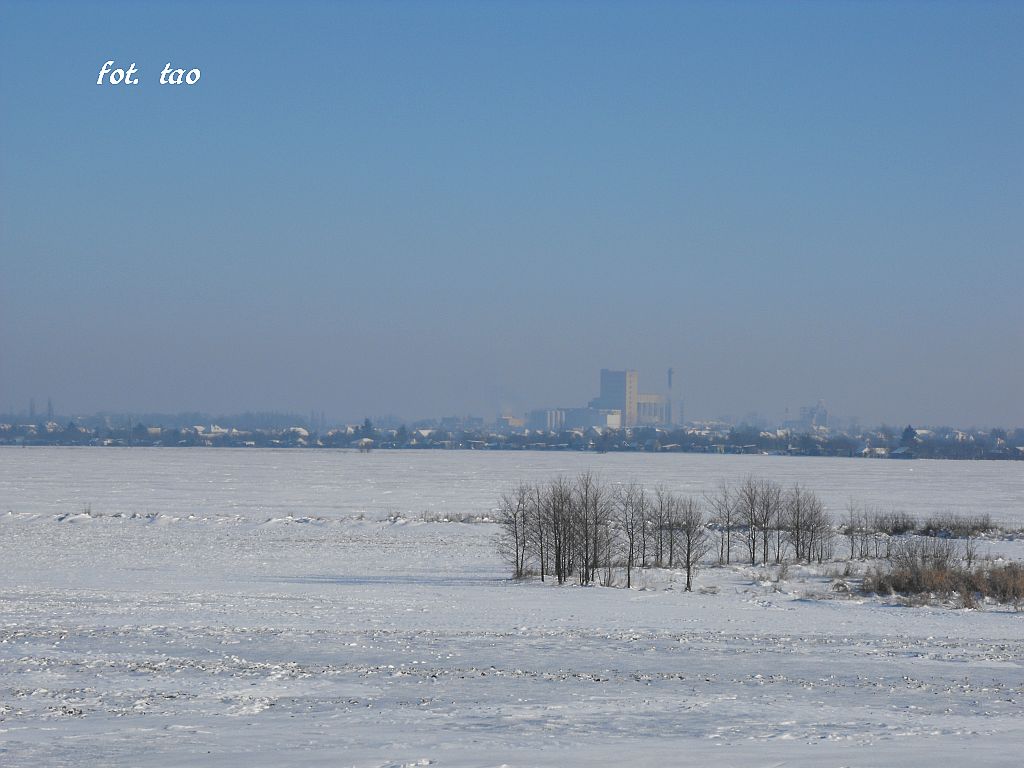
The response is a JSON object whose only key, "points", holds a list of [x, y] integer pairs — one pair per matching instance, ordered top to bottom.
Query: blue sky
{"points": [[433, 208]]}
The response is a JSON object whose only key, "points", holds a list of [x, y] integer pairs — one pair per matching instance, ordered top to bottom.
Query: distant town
{"points": [[620, 418]]}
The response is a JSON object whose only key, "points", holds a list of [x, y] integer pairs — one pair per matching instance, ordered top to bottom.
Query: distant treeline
{"points": [[273, 430]]}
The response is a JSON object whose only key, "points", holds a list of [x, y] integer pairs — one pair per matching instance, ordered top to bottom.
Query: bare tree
{"points": [[591, 502], [759, 502], [748, 503], [723, 504], [629, 511], [769, 513], [665, 517], [514, 519], [796, 519], [660, 524], [538, 525], [852, 525], [808, 527], [560, 528], [819, 531], [645, 532], [693, 536], [872, 537], [970, 551]]}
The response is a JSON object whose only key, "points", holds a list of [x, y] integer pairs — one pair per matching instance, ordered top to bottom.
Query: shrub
{"points": [[893, 523], [957, 526], [919, 555], [932, 566], [1006, 583]]}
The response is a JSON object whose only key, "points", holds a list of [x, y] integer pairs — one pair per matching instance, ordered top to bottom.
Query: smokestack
{"points": [[668, 400]]}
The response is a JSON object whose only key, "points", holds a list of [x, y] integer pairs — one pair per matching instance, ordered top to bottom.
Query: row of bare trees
{"points": [[768, 522], [583, 529]]}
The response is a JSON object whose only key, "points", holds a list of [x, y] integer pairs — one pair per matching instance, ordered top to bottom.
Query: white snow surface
{"points": [[229, 608]]}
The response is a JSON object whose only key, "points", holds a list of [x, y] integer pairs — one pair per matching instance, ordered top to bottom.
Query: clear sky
{"points": [[440, 208]]}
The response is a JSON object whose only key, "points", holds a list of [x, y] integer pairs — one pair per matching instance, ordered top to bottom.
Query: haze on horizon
{"points": [[430, 209]]}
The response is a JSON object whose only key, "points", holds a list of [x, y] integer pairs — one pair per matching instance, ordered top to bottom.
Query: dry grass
{"points": [[931, 566]]}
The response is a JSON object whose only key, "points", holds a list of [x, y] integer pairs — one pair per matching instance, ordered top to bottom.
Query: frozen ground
{"points": [[258, 484], [212, 629]]}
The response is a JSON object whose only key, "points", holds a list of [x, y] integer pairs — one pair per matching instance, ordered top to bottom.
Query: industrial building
{"points": [[620, 390], [620, 403]]}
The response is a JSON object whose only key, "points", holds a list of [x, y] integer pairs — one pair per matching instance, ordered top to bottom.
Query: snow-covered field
{"points": [[257, 484], [230, 608]]}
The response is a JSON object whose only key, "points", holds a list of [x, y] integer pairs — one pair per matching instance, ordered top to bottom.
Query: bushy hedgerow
{"points": [[933, 566]]}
